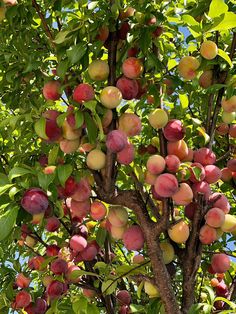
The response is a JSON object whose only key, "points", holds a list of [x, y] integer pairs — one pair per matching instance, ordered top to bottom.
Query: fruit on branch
{"points": [[10, 2], [126, 13], [151, 20], [123, 30], [158, 32], [103, 33], [208, 50], [133, 51], [132, 67], [188, 67], [98, 70], [206, 79], [129, 88], [51, 90], [83, 92], [111, 97], [229, 105], [228, 117], [107, 118], [158, 118], [130, 124], [222, 129], [232, 130], [174, 131], [69, 132], [116, 141], [69, 147], [178, 148], [126, 155], [189, 156], [204, 156], [96, 159], [172, 163], [156, 164], [231, 164], [49, 169], [197, 172], [213, 174], [226, 174], [150, 178], [166, 185], [201, 187], [82, 190], [184, 195], [34, 201], [220, 201], [78, 209], [190, 209], [98, 210], [117, 216], [215, 217], [52, 224], [229, 224], [117, 232], [179, 232], [207, 234], [133, 238], [78, 243], [52, 250], [90, 252], [168, 252], [138, 259], [220, 263], [59, 266], [72, 274], [46, 280], [22, 281], [214, 282], [55, 289], [150, 289], [222, 289], [89, 293], [123, 297], [23, 299], [40, 306]]}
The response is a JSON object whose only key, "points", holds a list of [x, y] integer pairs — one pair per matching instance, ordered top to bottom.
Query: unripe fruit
{"points": [[208, 50], [187, 67], [132, 68], [98, 70], [206, 79], [51, 90], [83, 92], [110, 97], [229, 105], [228, 117], [158, 118], [130, 124], [69, 147], [96, 159], [156, 164], [166, 185], [34, 201], [117, 216], [229, 224], [117, 232], [179, 232], [133, 238], [30, 241], [168, 252], [138, 259], [220, 263], [150, 289]]}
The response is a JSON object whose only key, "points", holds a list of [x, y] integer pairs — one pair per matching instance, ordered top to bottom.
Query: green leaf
{"points": [[217, 7], [189, 20], [228, 22], [61, 37], [76, 53], [225, 56], [171, 64], [62, 68], [183, 100], [91, 105], [61, 118], [79, 119], [91, 127], [40, 128], [204, 134], [52, 156], [18, 172], [197, 172], [63, 173], [3, 179], [45, 180], [4, 188], [7, 221], [101, 236], [100, 265], [109, 286], [140, 288], [231, 304], [80, 306], [92, 309]]}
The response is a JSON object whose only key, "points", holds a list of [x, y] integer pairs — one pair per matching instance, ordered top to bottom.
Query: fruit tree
{"points": [[117, 156]]}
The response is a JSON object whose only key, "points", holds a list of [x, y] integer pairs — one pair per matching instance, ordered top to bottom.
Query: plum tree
{"points": [[117, 156]]}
